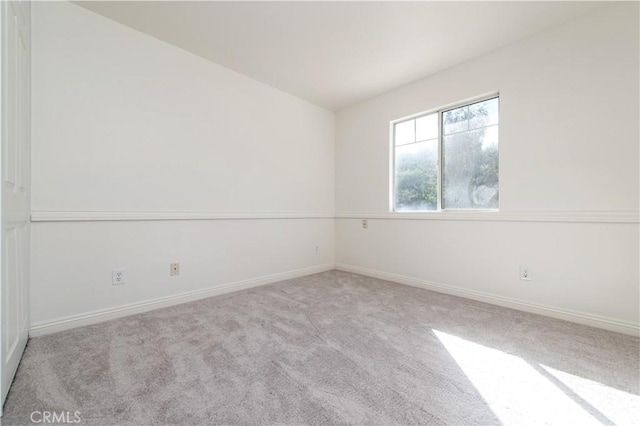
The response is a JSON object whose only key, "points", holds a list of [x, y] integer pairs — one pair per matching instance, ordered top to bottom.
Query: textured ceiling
{"points": [[335, 54]]}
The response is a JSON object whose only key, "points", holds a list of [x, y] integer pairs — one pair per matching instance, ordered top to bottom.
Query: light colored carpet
{"points": [[331, 348]]}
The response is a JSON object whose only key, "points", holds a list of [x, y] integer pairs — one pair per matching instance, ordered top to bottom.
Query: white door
{"points": [[14, 169]]}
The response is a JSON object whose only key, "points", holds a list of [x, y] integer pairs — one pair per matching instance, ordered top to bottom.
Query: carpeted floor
{"points": [[331, 348]]}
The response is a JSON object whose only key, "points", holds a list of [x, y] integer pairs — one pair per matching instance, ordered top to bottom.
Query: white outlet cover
{"points": [[174, 269], [525, 273], [118, 277]]}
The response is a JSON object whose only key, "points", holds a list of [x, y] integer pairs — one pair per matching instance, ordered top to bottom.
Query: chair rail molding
{"points": [[92, 216], [584, 216]]}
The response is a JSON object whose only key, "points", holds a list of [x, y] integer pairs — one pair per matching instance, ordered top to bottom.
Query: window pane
{"points": [[483, 113], [455, 120], [427, 127], [405, 132], [490, 138], [470, 169], [416, 176]]}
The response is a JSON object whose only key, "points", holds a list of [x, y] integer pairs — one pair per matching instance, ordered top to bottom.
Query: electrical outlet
{"points": [[365, 224], [174, 269], [525, 273], [117, 277]]}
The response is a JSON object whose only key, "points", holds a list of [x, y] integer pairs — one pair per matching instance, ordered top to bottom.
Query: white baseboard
{"points": [[94, 317], [611, 324], [48, 327]]}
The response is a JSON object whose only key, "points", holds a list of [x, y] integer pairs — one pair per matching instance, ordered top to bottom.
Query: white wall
{"points": [[123, 122], [126, 126], [569, 139]]}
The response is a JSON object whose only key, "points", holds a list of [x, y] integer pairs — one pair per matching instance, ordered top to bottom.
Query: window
{"points": [[447, 159]]}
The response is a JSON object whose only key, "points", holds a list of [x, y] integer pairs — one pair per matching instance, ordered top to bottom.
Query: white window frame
{"points": [[392, 172]]}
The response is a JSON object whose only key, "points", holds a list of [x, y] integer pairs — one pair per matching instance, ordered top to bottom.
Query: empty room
{"points": [[320, 212]]}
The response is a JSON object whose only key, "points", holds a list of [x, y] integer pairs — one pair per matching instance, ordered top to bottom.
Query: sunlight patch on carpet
{"points": [[516, 392], [622, 408]]}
